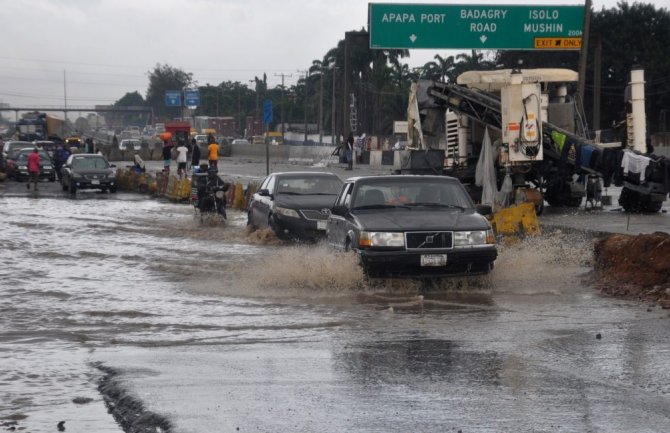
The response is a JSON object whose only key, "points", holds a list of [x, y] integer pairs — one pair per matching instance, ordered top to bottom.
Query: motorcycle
{"points": [[210, 194]]}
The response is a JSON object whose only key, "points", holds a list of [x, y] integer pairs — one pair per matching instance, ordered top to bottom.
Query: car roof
{"points": [[304, 173], [403, 176]]}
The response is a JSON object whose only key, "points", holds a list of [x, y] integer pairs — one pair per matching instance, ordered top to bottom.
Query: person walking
{"points": [[349, 151], [182, 152], [213, 154], [167, 157], [60, 158], [195, 158], [34, 168]]}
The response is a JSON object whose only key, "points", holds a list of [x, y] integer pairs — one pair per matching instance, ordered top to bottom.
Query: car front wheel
{"points": [[71, 188]]}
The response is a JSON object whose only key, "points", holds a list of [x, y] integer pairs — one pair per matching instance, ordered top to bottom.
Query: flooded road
{"points": [[201, 327]]}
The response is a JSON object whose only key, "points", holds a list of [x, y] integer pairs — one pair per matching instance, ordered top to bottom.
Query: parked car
{"points": [[201, 139], [240, 141], [130, 144], [48, 145], [11, 147], [10, 151], [47, 170], [88, 171], [295, 205], [412, 226]]}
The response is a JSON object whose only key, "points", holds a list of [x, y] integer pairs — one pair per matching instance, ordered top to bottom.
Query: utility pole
{"points": [[65, 94], [305, 102], [282, 103], [321, 109], [239, 110], [335, 139]]}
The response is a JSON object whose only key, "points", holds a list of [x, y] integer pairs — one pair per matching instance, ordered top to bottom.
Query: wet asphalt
{"points": [[125, 313]]}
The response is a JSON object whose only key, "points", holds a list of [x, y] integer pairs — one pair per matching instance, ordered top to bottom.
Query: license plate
{"points": [[95, 182], [321, 225], [433, 260]]}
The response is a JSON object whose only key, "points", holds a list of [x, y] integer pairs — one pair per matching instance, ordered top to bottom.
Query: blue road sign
{"points": [[173, 98], [191, 98], [267, 111]]}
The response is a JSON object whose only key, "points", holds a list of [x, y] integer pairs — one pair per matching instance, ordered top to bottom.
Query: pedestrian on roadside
{"points": [[349, 151], [213, 154], [167, 156], [195, 158], [182, 159], [139, 166], [34, 168]]}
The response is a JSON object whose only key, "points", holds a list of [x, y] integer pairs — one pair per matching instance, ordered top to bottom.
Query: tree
{"points": [[162, 79], [131, 99]]}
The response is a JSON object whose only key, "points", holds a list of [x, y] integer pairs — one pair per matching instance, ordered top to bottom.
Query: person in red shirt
{"points": [[34, 168]]}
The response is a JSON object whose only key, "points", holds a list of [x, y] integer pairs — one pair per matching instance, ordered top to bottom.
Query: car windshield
{"points": [[15, 147], [13, 152], [23, 156], [89, 163], [310, 185], [426, 193]]}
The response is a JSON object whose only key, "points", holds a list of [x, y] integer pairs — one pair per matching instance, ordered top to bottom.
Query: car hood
{"points": [[305, 201], [418, 219]]}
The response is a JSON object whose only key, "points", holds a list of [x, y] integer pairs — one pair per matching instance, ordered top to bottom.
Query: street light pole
{"points": [[305, 103], [321, 109], [335, 139]]}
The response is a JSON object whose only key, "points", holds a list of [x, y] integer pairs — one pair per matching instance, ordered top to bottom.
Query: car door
{"points": [[262, 204], [337, 227]]}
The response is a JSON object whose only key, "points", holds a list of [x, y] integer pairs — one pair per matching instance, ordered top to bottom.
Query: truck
{"points": [[40, 126], [180, 131], [518, 132]]}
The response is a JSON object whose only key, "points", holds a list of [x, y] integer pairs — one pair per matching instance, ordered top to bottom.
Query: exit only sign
{"points": [[484, 27]]}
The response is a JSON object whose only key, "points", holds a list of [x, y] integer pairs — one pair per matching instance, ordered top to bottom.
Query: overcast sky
{"points": [[106, 47]]}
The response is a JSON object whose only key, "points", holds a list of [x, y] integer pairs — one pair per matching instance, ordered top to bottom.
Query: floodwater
{"points": [[117, 302]]}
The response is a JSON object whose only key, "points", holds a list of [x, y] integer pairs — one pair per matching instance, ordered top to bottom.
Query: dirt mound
{"points": [[635, 266]]}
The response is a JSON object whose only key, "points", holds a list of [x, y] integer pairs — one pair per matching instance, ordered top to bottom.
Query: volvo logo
{"points": [[325, 211], [429, 239]]}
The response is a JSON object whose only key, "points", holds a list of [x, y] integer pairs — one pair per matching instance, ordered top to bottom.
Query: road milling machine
{"points": [[516, 135]]}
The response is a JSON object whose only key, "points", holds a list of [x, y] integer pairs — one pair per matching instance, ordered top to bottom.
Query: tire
{"points": [[52, 179], [71, 188], [112, 189], [651, 206], [249, 222], [276, 229]]}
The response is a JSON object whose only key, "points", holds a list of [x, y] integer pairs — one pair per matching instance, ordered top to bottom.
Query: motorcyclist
{"points": [[208, 187]]}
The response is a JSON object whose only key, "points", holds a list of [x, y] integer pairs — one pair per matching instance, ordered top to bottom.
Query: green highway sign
{"points": [[482, 27]]}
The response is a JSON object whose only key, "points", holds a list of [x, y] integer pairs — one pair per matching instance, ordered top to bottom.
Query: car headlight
{"points": [[23, 167], [47, 167], [287, 212], [474, 238], [381, 239]]}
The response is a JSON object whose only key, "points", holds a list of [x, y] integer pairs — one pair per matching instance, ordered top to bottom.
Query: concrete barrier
{"points": [[310, 154]]}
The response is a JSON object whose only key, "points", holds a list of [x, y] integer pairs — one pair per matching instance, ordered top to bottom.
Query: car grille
{"points": [[94, 176], [311, 214], [428, 240]]}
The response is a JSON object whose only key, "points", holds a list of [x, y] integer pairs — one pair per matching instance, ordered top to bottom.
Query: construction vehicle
{"points": [[40, 126], [536, 148]]}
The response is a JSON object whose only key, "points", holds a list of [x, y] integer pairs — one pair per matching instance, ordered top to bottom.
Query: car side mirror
{"points": [[112, 165], [264, 193], [484, 209], [339, 210]]}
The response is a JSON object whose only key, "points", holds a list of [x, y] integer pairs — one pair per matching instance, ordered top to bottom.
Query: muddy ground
{"points": [[635, 267]]}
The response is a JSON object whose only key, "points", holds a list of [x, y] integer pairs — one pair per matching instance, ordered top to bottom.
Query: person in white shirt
{"points": [[182, 152]]}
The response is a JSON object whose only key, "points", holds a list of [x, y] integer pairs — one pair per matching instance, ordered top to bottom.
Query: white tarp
{"points": [[414, 132], [485, 172]]}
